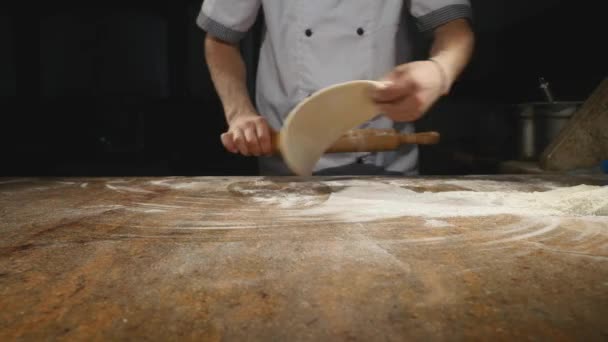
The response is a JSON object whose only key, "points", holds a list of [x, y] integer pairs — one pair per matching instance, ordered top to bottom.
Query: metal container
{"points": [[539, 123]]}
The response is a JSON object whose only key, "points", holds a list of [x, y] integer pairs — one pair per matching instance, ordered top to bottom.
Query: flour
{"points": [[195, 184], [178, 185], [127, 189], [286, 195], [285, 200], [364, 200], [373, 201], [159, 206], [147, 211], [437, 224]]}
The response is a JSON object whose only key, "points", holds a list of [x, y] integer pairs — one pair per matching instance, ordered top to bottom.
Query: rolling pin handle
{"points": [[425, 138], [370, 140]]}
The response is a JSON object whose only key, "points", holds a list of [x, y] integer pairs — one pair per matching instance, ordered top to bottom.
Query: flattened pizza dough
{"points": [[320, 120]]}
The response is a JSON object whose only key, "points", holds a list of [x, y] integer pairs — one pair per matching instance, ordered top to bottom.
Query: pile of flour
{"points": [[373, 201]]}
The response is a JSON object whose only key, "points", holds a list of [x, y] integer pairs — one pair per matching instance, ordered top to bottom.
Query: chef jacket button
{"points": [[360, 31], [308, 32]]}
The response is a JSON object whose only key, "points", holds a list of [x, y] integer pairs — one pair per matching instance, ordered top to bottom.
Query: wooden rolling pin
{"points": [[373, 140]]}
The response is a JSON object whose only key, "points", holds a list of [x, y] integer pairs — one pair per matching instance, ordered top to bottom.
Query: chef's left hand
{"points": [[410, 90]]}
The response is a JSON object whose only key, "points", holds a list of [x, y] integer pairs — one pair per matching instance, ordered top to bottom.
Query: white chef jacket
{"points": [[311, 44]]}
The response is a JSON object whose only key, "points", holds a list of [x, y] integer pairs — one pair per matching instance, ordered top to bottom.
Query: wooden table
{"points": [[259, 259]]}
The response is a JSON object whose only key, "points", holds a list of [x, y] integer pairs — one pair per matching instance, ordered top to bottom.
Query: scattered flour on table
{"points": [[177, 185], [127, 189], [283, 195], [284, 200], [372, 201], [437, 224]]}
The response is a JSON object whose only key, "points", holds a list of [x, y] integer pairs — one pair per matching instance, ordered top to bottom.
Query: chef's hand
{"points": [[410, 90], [248, 134]]}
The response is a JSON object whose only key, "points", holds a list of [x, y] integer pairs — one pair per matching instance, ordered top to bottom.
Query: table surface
{"points": [[233, 258]]}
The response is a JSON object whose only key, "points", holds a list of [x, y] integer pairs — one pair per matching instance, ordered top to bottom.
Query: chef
{"points": [[312, 44]]}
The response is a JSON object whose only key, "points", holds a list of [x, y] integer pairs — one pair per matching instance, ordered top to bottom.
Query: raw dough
{"points": [[320, 120]]}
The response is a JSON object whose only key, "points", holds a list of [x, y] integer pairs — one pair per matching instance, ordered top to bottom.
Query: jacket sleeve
{"points": [[431, 14], [228, 20]]}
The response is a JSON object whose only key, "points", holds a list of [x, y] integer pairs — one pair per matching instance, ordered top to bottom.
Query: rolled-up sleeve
{"points": [[431, 14], [228, 20]]}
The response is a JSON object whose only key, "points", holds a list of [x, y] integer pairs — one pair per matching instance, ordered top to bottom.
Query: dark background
{"points": [[121, 87]]}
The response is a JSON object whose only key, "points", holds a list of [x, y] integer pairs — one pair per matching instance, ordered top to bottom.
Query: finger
{"points": [[394, 90], [405, 110], [263, 132], [251, 139], [239, 141], [228, 142]]}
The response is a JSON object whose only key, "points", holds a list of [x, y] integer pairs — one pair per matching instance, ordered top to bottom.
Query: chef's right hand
{"points": [[249, 135]]}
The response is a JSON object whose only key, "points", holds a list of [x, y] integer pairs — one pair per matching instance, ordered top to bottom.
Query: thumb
{"points": [[384, 90], [228, 142]]}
